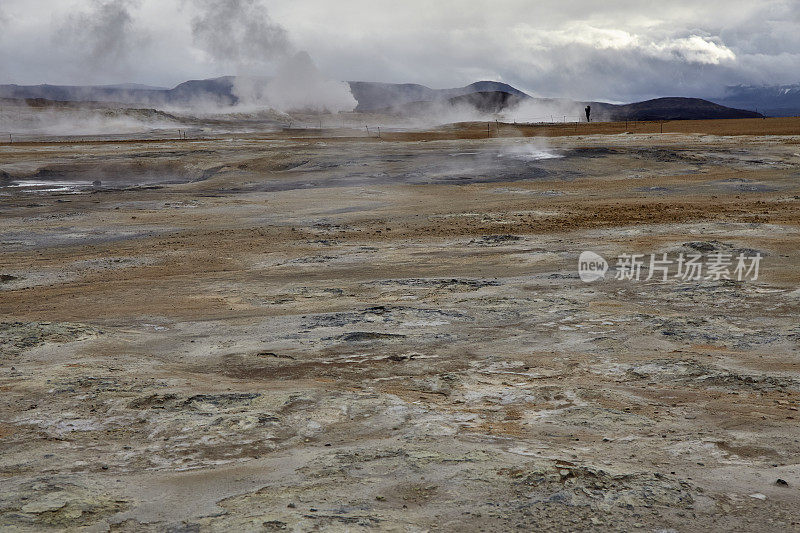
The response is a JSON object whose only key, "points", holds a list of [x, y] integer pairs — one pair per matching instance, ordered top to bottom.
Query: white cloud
{"points": [[578, 33], [693, 49]]}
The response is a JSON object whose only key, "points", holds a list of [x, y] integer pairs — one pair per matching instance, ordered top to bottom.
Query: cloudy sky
{"points": [[618, 50]]}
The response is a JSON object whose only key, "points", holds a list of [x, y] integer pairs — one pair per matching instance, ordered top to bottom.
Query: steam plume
{"points": [[239, 33], [102, 35], [242, 35]]}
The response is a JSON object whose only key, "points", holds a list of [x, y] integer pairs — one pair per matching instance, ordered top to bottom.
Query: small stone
{"points": [[782, 482], [758, 496]]}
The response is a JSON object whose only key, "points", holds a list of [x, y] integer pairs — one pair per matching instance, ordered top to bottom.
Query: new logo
{"points": [[592, 267]]}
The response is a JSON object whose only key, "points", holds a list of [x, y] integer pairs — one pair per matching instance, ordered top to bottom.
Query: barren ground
{"points": [[304, 331]]}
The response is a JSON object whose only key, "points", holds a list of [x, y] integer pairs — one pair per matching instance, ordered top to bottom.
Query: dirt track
{"points": [[389, 334]]}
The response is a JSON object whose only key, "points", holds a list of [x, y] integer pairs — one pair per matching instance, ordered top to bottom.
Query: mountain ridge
{"points": [[482, 96], [771, 100]]}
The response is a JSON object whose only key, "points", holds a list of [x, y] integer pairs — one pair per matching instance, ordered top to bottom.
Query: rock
{"points": [[367, 336], [275, 355], [781, 482], [758, 496], [51, 502]]}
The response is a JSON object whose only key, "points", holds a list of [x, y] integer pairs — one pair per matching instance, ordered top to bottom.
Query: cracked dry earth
{"points": [[354, 335]]}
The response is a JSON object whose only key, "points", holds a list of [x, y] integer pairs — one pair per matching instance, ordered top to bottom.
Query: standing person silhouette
{"points": [[588, 113]]}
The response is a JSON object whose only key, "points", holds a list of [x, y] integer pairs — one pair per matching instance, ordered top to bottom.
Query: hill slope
{"points": [[216, 90], [373, 96], [773, 101], [515, 107], [672, 109]]}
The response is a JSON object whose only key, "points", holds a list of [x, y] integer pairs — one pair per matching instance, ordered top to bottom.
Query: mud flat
{"points": [[288, 332]]}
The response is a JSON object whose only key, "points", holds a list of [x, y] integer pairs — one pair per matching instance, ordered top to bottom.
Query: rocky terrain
{"points": [[319, 331]]}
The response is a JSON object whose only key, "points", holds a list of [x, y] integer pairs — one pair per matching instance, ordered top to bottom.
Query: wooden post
{"points": [[488, 130], [379, 132]]}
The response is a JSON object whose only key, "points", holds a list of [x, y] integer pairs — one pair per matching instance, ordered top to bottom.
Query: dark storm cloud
{"points": [[616, 49]]}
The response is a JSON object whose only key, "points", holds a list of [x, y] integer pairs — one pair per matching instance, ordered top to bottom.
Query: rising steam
{"points": [[240, 34], [102, 35]]}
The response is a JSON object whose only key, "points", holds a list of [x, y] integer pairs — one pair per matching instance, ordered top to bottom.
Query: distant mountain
{"points": [[129, 86], [484, 87], [216, 90], [76, 93], [373, 96], [484, 96], [496, 97], [771, 100], [487, 102], [494, 102], [671, 109]]}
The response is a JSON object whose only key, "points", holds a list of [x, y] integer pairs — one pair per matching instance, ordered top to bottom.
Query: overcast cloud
{"points": [[615, 50]]}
